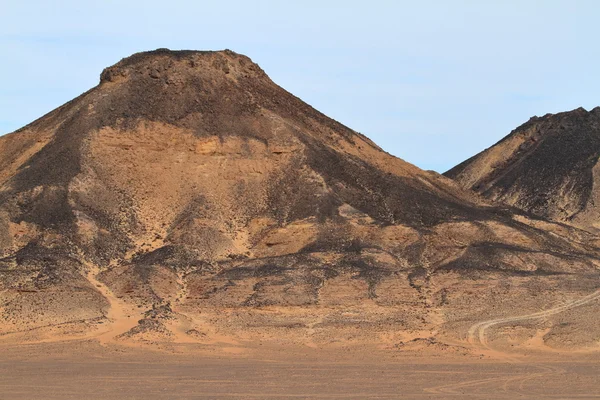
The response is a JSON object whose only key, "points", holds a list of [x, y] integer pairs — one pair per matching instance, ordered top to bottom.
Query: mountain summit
{"points": [[547, 166], [187, 195]]}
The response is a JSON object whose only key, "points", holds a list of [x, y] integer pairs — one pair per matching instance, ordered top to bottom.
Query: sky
{"points": [[432, 82]]}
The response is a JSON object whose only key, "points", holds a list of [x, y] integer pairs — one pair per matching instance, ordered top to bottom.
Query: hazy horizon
{"points": [[433, 83]]}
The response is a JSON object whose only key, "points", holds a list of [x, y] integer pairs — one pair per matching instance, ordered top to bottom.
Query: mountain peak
{"points": [[160, 63], [546, 166]]}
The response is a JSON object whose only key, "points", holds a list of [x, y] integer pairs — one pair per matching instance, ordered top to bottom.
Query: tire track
{"points": [[477, 333], [477, 336]]}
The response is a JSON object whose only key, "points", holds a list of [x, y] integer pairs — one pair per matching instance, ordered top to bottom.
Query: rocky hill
{"points": [[547, 166], [187, 197]]}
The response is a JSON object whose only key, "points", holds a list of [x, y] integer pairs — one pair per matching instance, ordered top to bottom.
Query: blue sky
{"points": [[432, 82]]}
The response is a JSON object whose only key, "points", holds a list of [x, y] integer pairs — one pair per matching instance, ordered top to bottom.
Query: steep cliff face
{"points": [[547, 167], [188, 183]]}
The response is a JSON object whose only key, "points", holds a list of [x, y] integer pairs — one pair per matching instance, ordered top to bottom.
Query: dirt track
{"points": [[477, 333], [514, 383]]}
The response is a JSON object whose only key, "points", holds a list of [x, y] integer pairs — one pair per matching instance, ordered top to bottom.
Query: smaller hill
{"points": [[548, 166]]}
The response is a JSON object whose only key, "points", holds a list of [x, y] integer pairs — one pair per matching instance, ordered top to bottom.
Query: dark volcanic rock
{"points": [[546, 167]]}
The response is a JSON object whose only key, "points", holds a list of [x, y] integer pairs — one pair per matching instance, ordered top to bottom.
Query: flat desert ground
{"points": [[551, 353], [86, 370]]}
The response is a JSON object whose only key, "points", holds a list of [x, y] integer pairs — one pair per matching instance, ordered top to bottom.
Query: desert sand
{"points": [[482, 365], [85, 370]]}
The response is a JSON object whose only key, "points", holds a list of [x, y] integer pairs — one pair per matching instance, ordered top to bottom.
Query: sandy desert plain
{"points": [[502, 358], [86, 370]]}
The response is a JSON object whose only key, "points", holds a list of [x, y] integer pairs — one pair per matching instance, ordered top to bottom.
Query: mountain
{"points": [[547, 166], [188, 198]]}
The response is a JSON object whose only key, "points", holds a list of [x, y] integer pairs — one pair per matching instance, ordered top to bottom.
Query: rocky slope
{"points": [[547, 166], [189, 198]]}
